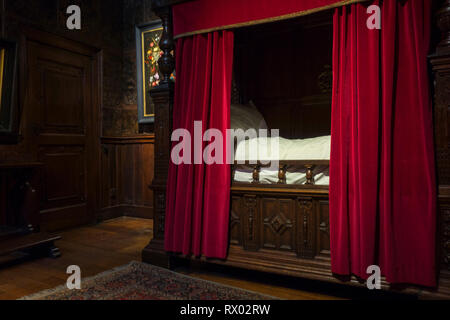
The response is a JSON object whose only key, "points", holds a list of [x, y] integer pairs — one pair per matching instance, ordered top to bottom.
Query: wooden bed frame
{"points": [[283, 165], [281, 228]]}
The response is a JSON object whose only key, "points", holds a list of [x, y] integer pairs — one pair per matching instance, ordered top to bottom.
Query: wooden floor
{"points": [[117, 242], [95, 249]]}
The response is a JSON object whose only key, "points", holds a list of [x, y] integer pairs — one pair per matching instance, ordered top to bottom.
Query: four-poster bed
{"points": [[276, 226]]}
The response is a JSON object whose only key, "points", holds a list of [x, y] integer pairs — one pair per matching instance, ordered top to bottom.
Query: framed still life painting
{"points": [[148, 53], [8, 98]]}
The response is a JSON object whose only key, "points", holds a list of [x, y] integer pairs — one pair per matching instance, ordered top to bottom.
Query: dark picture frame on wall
{"points": [[148, 53], [9, 121]]}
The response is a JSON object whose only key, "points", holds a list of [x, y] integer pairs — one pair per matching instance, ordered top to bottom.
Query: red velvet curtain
{"points": [[207, 15], [382, 175], [198, 195]]}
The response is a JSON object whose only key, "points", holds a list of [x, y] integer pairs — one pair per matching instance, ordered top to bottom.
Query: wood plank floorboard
{"points": [[110, 244]]}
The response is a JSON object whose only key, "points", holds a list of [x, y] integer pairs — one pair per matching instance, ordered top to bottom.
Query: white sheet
{"points": [[289, 149]]}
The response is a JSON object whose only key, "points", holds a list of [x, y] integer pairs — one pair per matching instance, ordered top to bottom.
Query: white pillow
{"points": [[246, 117]]}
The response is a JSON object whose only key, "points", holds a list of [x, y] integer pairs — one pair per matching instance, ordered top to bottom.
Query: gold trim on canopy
{"points": [[272, 19]]}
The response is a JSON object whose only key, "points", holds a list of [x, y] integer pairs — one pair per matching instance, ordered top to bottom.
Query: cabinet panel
{"points": [[278, 217], [323, 235]]}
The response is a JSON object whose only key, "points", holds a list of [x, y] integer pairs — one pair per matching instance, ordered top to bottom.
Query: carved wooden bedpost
{"points": [[440, 62], [162, 96], [255, 174], [282, 174], [309, 174]]}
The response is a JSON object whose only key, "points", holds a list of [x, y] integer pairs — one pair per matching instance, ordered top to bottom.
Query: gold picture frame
{"points": [[2, 68], [148, 77], [9, 121]]}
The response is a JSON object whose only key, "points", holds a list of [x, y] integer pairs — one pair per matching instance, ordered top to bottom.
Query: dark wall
{"points": [[127, 164]]}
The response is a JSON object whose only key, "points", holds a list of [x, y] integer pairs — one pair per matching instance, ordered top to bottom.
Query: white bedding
{"points": [[246, 117], [289, 149]]}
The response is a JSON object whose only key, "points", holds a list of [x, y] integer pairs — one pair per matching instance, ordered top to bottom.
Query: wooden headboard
{"points": [[287, 78]]}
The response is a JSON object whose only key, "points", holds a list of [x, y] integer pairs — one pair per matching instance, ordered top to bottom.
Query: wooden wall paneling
{"points": [[126, 161], [139, 170], [147, 171], [127, 172], [109, 176]]}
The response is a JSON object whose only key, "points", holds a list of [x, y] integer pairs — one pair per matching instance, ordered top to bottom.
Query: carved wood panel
{"points": [[441, 68], [62, 95], [163, 98], [64, 176], [159, 212], [278, 217], [235, 221], [250, 222], [307, 228], [323, 235], [445, 240]]}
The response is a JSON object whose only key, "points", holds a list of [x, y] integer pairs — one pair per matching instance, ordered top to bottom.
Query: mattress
{"points": [[264, 148], [288, 149]]}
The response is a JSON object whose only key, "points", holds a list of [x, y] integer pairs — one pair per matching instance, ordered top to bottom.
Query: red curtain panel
{"points": [[382, 171], [198, 195]]}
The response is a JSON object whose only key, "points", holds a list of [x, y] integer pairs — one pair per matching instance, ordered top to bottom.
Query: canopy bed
{"points": [[356, 183]]}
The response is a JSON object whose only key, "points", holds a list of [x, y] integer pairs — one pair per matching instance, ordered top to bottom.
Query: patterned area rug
{"points": [[141, 281]]}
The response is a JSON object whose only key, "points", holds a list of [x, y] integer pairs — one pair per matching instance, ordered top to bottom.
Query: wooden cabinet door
{"points": [[62, 125]]}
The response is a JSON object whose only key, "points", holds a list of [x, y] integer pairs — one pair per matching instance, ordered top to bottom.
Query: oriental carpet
{"points": [[141, 281]]}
